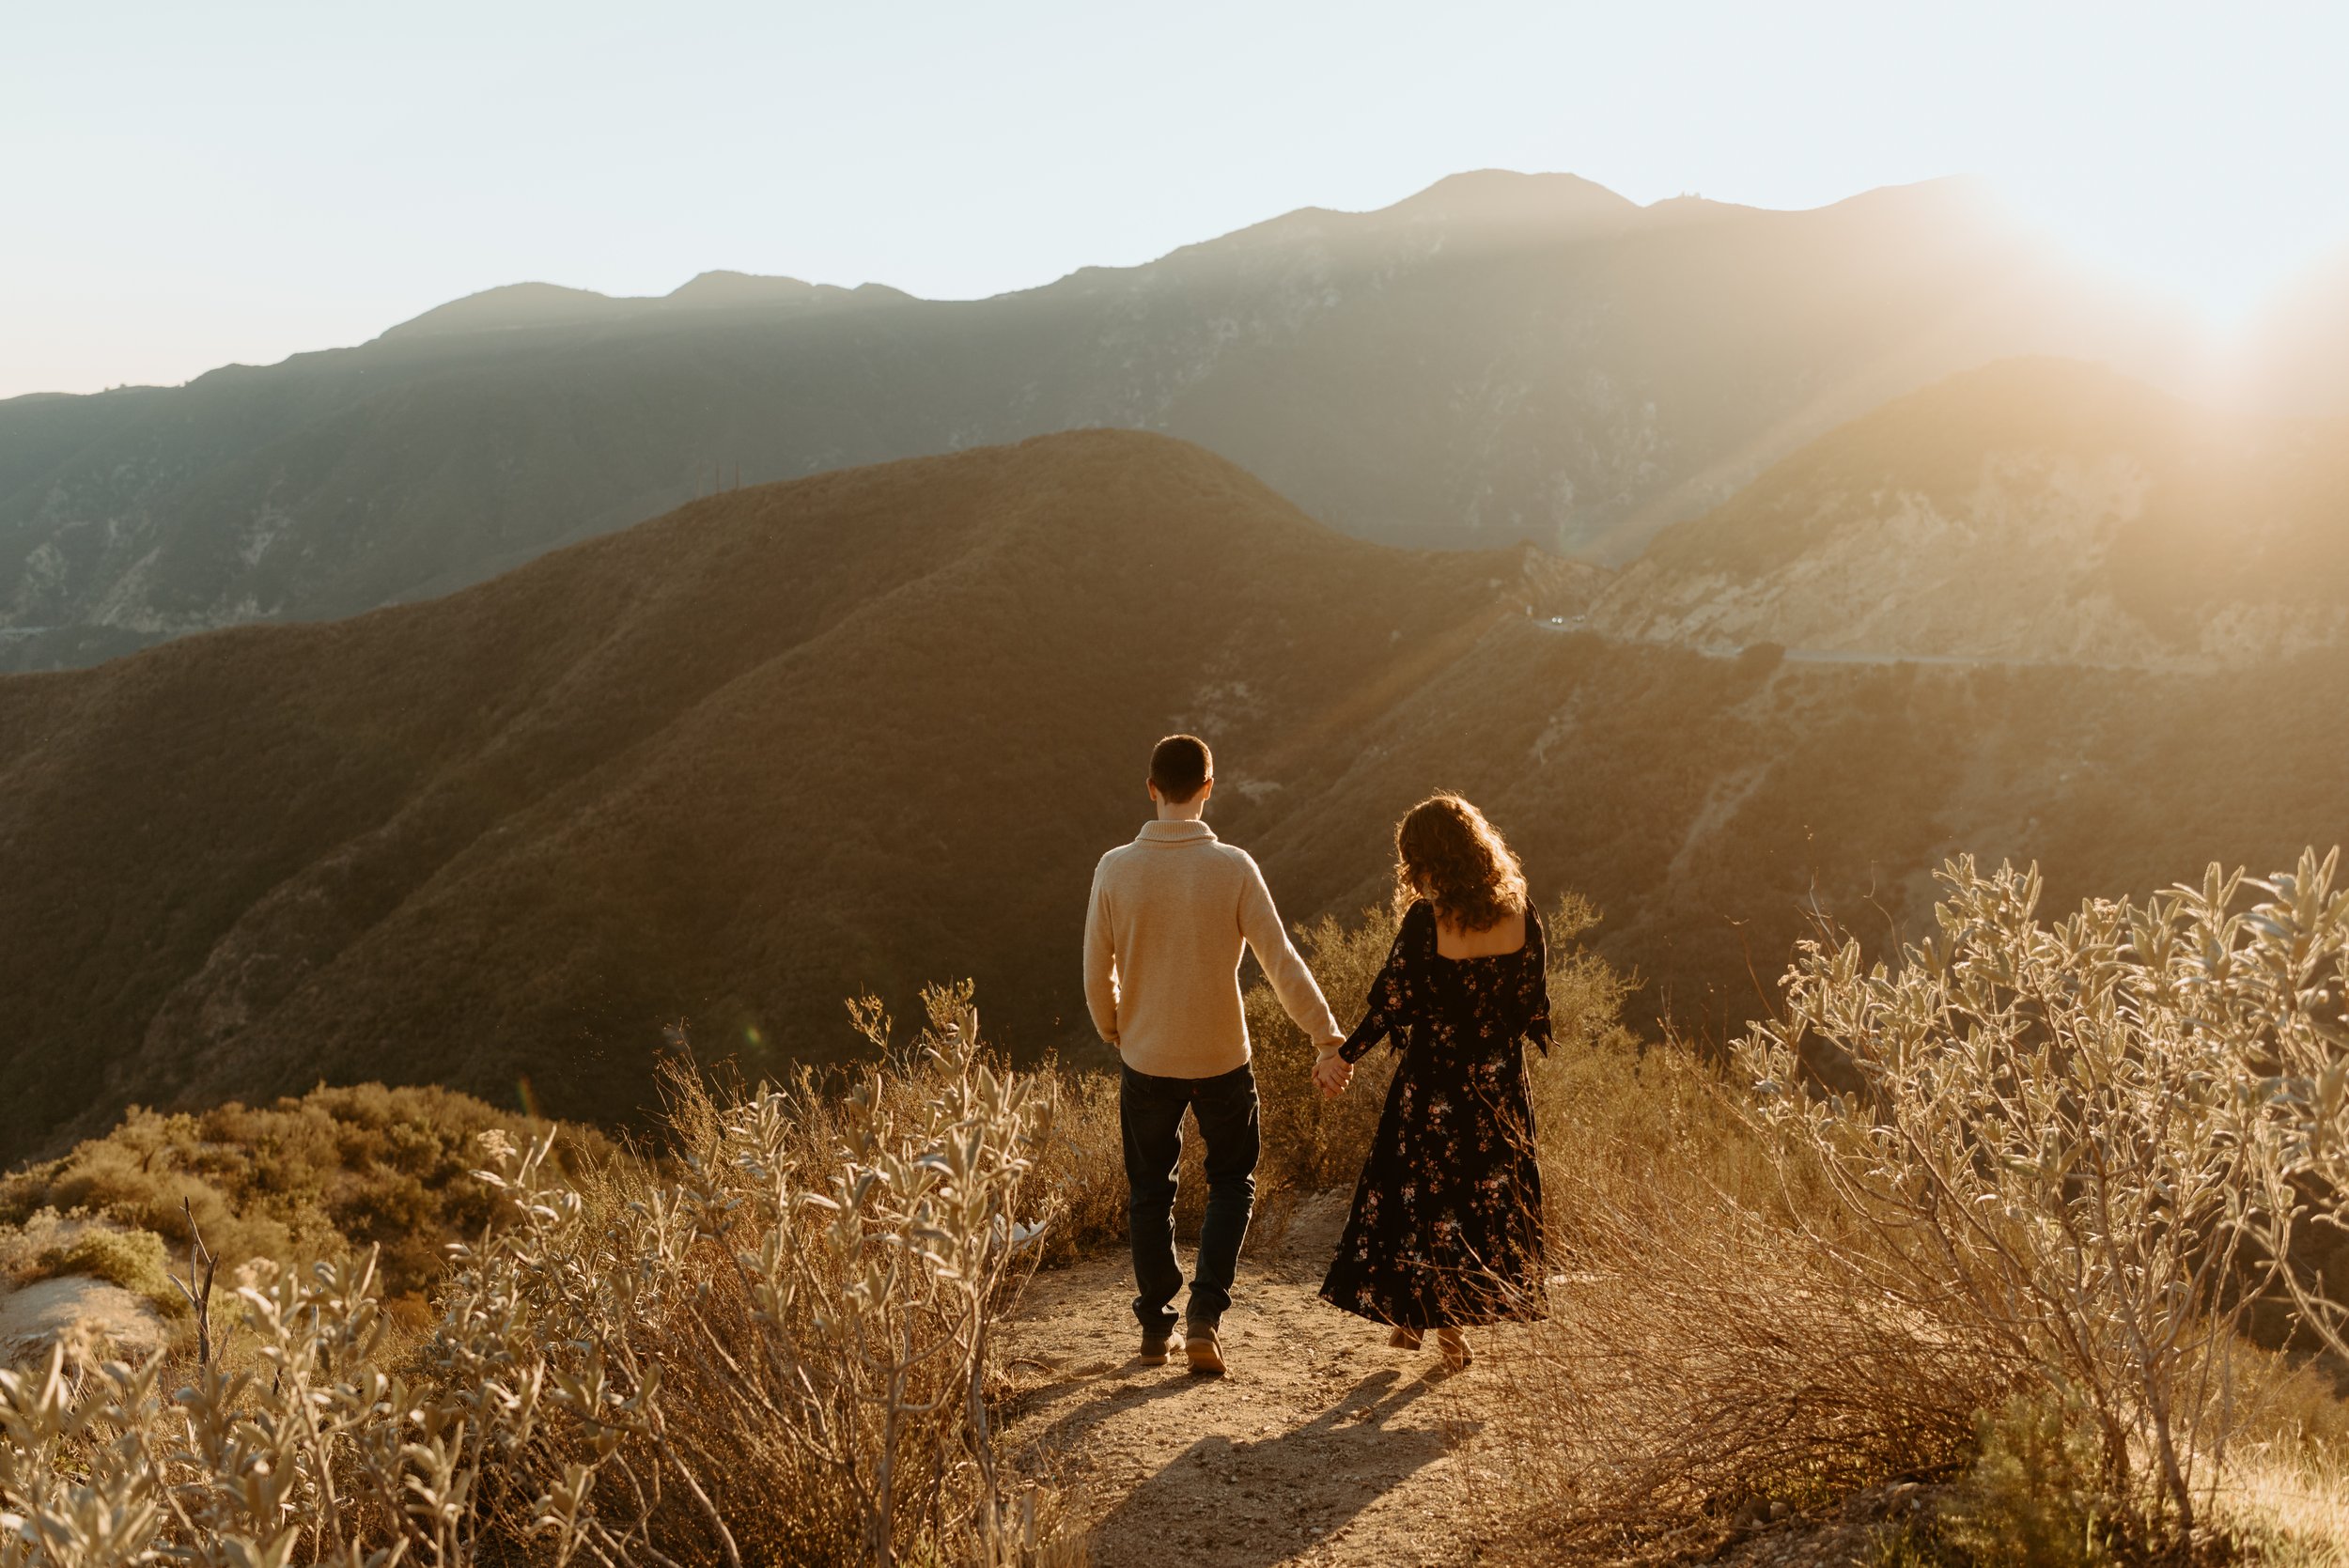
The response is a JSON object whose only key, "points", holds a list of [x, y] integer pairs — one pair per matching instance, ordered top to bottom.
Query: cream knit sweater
{"points": [[1162, 948]]}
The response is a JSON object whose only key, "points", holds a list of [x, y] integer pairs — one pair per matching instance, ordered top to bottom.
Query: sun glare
{"points": [[2222, 254]]}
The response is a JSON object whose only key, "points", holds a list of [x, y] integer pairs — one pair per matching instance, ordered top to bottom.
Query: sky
{"points": [[183, 186]]}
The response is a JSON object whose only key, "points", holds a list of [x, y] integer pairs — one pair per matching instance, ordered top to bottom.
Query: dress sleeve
{"points": [[1534, 982], [1394, 995]]}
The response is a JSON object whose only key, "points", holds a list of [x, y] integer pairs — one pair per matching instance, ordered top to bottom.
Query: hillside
{"points": [[1500, 357], [2034, 510], [872, 728], [781, 745], [1708, 805]]}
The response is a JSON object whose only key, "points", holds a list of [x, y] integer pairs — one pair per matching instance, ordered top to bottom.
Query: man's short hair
{"points": [[1179, 766]]}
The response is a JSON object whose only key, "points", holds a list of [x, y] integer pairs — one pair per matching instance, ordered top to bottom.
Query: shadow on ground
{"points": [[1236, 1504]]}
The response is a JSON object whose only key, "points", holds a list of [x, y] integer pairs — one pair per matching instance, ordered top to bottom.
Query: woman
{"points": [[1446, 1232]]}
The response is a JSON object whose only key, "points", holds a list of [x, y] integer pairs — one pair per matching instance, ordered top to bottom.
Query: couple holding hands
{"points": [[1446, 1230]]}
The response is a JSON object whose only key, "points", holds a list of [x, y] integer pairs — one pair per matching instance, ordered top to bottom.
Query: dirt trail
{"points": [[1322, 1447]]}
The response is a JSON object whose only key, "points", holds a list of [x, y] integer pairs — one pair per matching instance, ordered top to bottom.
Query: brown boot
{"points": [[1404, 1339], [1455, 1347], [1158, 1349], [1207, 1354]]}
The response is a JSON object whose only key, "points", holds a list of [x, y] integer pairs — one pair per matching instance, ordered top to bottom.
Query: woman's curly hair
{"points": [[1448, 854]]}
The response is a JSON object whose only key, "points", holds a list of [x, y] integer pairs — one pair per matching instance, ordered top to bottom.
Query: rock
{"points": [[82, 1311]]}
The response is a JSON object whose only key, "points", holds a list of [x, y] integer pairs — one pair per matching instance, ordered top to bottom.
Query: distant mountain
{"points": [[521, 306], [1503, 357], [2034, 510], [862, 730]]}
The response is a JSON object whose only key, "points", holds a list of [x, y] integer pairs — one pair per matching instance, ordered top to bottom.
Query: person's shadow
{"points": [[1061, 1432], [1241, 1505]]}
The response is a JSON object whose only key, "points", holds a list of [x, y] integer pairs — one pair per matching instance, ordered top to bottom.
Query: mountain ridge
{"points": [[1493, 194], [520, 306], [1426, 381], [2030, 510]]}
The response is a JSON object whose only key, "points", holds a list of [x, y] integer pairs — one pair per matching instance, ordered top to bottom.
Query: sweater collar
{"points": [[1155, 832]]}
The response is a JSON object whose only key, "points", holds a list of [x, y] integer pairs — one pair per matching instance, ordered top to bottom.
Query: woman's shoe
{"points": [[1404, 1339], [1454, 1348]]}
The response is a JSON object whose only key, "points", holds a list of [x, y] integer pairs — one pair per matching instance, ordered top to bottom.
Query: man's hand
{"points": [[1332, 1074]]}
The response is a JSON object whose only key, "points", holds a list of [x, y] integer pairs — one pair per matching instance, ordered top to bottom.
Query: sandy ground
{"points": [[77, 1310], [1322, 1446]]}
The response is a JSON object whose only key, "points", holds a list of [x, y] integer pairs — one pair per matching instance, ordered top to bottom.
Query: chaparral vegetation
{"points": [[2030, 1224]]}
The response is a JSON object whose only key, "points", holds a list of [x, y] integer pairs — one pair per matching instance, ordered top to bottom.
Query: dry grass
{"points": [[774, 1346], [1703, 1360], [2281, 1487], [2290, 1506]]}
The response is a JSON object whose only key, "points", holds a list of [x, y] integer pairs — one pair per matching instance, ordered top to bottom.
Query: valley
{"points": [[795, 743]]}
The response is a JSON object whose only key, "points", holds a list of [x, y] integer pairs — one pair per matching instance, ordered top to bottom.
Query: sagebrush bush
{"points": [[2271, 982], [2064, 1135], [2035, 1170], [316, 1175], [133, 1259], [778, 1351]]}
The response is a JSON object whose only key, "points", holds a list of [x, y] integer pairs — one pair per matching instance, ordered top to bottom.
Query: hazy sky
{"points": [[186, 185]]}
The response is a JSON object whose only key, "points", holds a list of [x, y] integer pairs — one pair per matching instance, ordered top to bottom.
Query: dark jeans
{"points": [[1150, 1111]]}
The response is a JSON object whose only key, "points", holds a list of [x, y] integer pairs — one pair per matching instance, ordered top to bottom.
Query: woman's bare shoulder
{"points": [[1505, 935]]}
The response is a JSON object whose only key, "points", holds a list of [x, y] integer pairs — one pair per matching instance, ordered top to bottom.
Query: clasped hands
{"points": [[1332, 1074]]}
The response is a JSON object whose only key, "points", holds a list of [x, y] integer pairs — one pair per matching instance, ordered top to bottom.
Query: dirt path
{"points": [[1323, 1446]]}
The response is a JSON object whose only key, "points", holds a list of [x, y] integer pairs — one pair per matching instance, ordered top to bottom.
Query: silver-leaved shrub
{"points": [[2086, 1146], [775, 1351]]}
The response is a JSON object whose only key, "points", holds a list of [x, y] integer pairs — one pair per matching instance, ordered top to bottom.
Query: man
{"points": [[1164, 932]]}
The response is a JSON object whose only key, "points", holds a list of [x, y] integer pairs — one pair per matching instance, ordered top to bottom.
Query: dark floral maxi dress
{"points": [[1447, 1223]]}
